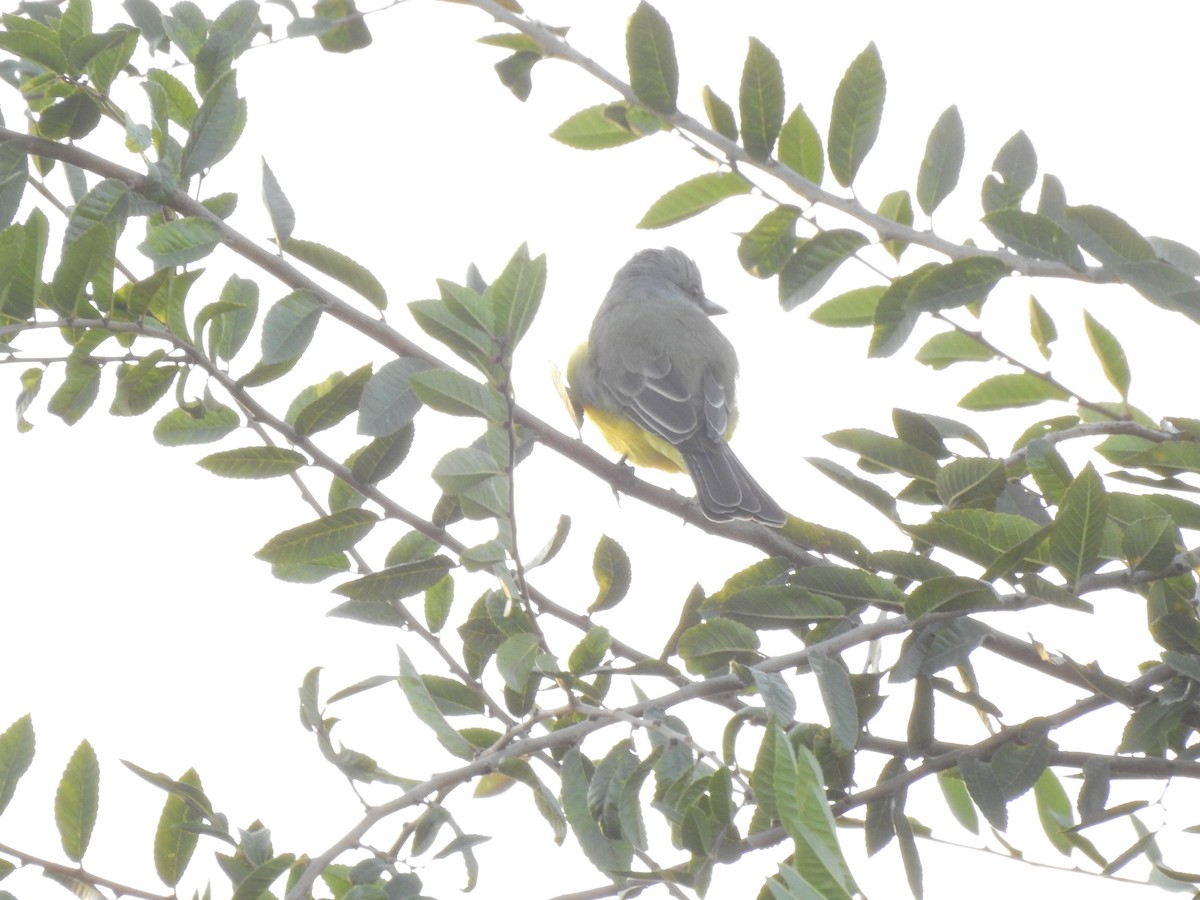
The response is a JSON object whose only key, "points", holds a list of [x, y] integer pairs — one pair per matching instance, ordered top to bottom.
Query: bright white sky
{"points": [[135, 615]]}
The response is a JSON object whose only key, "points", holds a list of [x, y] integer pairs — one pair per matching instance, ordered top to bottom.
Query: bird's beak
{"points": [[710, 308]]}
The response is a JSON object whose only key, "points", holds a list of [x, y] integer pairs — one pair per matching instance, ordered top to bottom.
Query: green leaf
{"points": [[349, 34], [34, 41], [113, 50], [650, 51], [516, 72], [760, 101], [181, 106], [857, 111], [720, 114], [72, 118], [216, 128], [593, 129], [800, 146], [940, 168], [14, 175], [693, 197], [105, 204], [896, 206], [283, 216], [1034, 235], [1107, 236], [180, 241], [766, 247], [89, 259], [814, 263], [340, 268], [957, 283], [515, 296], [853, 309], [894, 318], [289, 326], [1042, 327], [949, 347], [1108, 349], [143, 384], [31, 386], [1007, 391], [78, 392], [455, 394], [388, 401], [324, 405], [182, 427], [886, 452], [380, 458], [253, 462], [463, 468], [970, 482], [879, 498], [1079, 526], [326, 535], [979, 535], [611, 569], [396, 582], [950, 593], [710, 647], [590, 652], [515, 659], [838, 696], [426, 709], [16, 753], [1012, 769], [955, 793], [77, 801], [1054, 811], [804, 812], [174, 839], [611, 855], [262, 877]]}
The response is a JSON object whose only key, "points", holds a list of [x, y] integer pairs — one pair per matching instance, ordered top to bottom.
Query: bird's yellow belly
{"points": [[635, 443]]}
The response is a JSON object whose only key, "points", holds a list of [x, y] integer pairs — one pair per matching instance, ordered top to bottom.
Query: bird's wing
{"points": [[654, 395]]}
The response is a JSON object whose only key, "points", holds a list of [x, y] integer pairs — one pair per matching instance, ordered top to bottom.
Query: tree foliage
{"points": [[609, 741]]}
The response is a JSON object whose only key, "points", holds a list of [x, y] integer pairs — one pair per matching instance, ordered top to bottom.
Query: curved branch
{"points": [[888, 230]]}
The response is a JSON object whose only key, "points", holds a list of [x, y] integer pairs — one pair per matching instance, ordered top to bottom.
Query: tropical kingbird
{"points": [[658, 379]]}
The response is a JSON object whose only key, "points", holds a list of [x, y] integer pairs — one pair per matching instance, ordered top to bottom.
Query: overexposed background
{"points": [[134, 613]]}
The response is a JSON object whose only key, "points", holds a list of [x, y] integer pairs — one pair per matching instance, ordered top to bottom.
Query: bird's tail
{"points": [[726, 490]]}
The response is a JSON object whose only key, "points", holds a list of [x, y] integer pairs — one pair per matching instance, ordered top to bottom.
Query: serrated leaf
{"points": [[34, 41], [650, 52], [760, 100], [857, 111], [720, 114], [216, 127], [593, 129], [800, 147], [942, 163], [693, 197], [896, 206], [279, 209], [1034, 235], [1106, 235], [180, 241], [764, 249], [814, 263], [339, 267], [958, 283], [515, 296], [853, 309], [289, 326], [1042, 327], [949, 347], [1108, 350], [143, 384], [78, 391], [1008, 391], [455, 394], [388, 401], [324, 405], [181, 427], [887, 452], [253, 462], [463, 468], [970, 482], [879, 498], [1079, 526], [318, 538], [611, 569], [396, 582], [710, 647], [838, 696], [426, 709], [16, 753], [77, 801], [174, 840]]}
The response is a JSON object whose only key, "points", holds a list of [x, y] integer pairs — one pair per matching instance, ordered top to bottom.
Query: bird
{"points": [[658, 379]]}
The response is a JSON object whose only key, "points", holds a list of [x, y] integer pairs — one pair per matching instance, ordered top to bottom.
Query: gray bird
{"points": [[658, 379]]}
